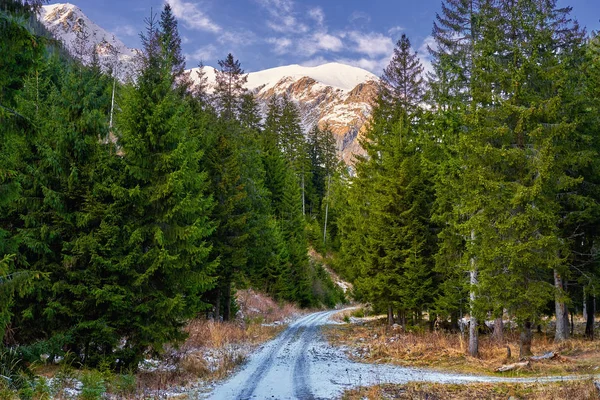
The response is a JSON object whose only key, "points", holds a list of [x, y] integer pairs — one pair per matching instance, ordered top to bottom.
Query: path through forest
{"points": [[300, 364]]}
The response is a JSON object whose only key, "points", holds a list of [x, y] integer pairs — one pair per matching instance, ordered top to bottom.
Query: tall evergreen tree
{"points": [[229, 87], [168, 210]]}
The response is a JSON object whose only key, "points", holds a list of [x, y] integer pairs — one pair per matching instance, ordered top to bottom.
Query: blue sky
{"points": [[271, 33]]}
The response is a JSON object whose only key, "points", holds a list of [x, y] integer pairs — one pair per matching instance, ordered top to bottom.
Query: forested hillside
{"points": [[479, 194], [127, 209]]}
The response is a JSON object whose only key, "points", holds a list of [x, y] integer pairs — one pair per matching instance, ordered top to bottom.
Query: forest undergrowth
{"points": [[371, 339], [583, 390]]}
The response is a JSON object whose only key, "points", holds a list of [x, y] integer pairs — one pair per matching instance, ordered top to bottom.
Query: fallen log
{"points": [[547, 356], [510, 367]]}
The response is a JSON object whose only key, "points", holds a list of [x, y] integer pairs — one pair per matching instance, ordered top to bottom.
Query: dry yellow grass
{"points": [[376, 342], [214, 349], [580, 390]]}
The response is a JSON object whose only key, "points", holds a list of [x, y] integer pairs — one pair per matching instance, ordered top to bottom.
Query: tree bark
{"points": [[326, 211], [227, 299], [218, 306], [562, 313], [390, 315], [589, 323], [498, 330], [473, 333], [525, 340]]}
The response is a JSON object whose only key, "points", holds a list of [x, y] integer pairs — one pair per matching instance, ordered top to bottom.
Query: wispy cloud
{"points": [[317, 15], [282, 16], [359, 16], [193, 17], [125, 30], [395, 30], [319, 42], [372, 44], [282, 45], [423, 53], [207, 54]]}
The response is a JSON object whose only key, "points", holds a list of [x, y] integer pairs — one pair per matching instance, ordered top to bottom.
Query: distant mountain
{"points": [[65, 20], [336, 94]]}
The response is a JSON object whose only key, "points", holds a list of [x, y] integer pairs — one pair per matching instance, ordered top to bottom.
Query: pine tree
{"points": [[458, 33], [170, 43], [402, 79], [229, 87], [390, 193], [164, 195], [230, 213]]}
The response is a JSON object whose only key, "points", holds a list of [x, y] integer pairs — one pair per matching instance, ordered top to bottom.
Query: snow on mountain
{"points": [[66, 20], [335, 94]]}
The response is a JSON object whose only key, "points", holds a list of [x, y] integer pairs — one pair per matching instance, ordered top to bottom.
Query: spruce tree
{"points": [[170, 43], [229, 87], [391, 194], [164, 195]]}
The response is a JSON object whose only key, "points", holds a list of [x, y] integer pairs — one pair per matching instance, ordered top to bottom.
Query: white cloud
{"points": [[280, 5], [317, 15], [359, 16], [193, 17], [282, 17], [287, 24], [125, 30], [395, 30], [241, 38], [320, 41], [328, 42], [372, 44], [282, 45], [423, 53], [207, 54]]}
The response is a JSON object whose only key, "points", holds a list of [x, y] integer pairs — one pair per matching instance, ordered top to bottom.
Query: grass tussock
{"points": [[374, 341], [214, 349], [581, 390]]}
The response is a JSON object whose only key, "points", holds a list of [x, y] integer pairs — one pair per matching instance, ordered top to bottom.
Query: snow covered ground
{"points": [[300, 364]]}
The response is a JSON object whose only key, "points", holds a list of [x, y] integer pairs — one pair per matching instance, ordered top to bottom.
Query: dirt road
{"points": [[299, 364]]}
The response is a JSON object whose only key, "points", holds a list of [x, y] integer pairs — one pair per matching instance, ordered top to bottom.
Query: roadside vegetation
{"points": [[370, 339], [211, 351], [580, 390]]}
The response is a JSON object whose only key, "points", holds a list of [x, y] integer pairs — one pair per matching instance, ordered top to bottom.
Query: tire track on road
{"points": [[286, 338]]}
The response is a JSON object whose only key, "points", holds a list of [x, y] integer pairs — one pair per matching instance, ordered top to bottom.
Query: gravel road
{"points": [[300, 364]]}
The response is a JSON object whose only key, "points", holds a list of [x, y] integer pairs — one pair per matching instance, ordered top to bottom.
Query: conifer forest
{"points": [[130, 206]]}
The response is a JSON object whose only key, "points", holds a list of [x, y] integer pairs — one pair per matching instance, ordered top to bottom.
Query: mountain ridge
{"points": [[333, 94]]}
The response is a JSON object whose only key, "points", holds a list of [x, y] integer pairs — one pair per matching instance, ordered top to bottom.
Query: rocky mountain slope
{"points": [[81, 36], [335, 94]]}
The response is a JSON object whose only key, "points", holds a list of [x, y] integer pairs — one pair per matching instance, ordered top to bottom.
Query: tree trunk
{"points": [[112, 105], [326, 211], [227, 299], [218, 306], [562, 313], [390, 314], [403, 320], [454, 322], [589, 323], [498, 330], [473, 333], [525, 340]]}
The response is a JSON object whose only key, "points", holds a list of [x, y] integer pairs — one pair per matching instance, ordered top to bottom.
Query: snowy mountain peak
{"points": [[65, 21], [338, 76], [334, 94]]}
